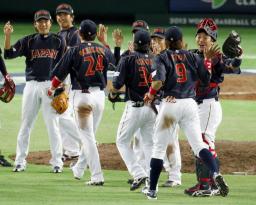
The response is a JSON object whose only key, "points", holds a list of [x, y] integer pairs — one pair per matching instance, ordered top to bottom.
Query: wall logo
{"points": [[215, 3]]}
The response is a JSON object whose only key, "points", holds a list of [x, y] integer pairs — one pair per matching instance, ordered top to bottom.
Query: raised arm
{"points": [[8, 29], [118, 39]]}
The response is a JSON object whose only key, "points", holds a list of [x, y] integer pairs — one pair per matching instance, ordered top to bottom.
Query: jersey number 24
{"points": [[91, 68]]}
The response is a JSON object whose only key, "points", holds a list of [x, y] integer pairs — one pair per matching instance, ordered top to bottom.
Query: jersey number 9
{"points": [[181, 73]]}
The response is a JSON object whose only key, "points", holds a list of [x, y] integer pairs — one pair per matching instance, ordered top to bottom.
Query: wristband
{"points": [[55, 82], [152, 91]]}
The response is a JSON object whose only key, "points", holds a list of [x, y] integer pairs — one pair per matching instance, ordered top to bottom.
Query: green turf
{"points": [[248, 41], [238, 120], [38, 186]]}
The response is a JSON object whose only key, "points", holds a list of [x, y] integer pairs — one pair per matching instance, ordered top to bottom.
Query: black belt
{"points": [[39, 80], [85, 91], [201, 101], [138, 104]]}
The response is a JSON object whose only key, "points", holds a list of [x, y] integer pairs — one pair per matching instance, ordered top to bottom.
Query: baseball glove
{"points": [[231, 46], [7, 92], [115, 97], [60, 100]]}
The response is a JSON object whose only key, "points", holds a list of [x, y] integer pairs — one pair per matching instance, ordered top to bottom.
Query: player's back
{"points": [[90, 64], [138, 68], [182, 69]]}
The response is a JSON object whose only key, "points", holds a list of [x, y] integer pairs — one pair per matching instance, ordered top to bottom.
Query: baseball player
{"points": [[118, 39], [42, 51], [87, 65], [3, 71], [133, 71], [176, 72], [207, 97], [68, 128], [137, 141], [172, 161]]}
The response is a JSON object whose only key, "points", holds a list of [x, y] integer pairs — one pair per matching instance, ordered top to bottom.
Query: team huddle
{"points": [[167, 88]]}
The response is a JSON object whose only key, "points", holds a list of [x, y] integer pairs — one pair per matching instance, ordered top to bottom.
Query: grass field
{"points": [[248, 41], [38, 186]]}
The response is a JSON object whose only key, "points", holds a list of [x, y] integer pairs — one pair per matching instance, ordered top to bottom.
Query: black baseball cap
{"points": [[64, 8], [42, 14], [139, 25], [88, 27], [158, 32], [173, 34], [142, 37]]}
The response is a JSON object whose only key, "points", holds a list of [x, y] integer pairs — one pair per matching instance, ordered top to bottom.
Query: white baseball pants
{"points": [[34, 96], [88, 109], [185, 113], [210, 114], [132, 119], [172, 163]]}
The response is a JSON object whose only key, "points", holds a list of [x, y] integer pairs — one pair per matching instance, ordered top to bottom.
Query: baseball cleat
{"points": [[4, 162], [19, 168], [57, 169], [91, 183], [137, 183], [170, 183], [221, 184], [145, 189], [192, 189], [199, 190], [215, 192], [203, 193], [151, 195]]}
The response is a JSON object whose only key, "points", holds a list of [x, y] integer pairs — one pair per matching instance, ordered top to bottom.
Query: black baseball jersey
{"points": [[71, 35], [42, 54], [2, 64], [87, 64], [220, 66], [179, 70], [134, 71]]}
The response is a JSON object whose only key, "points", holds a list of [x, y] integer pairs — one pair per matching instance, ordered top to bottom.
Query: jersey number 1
{"points": [[91, 68], [181, 73]]}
